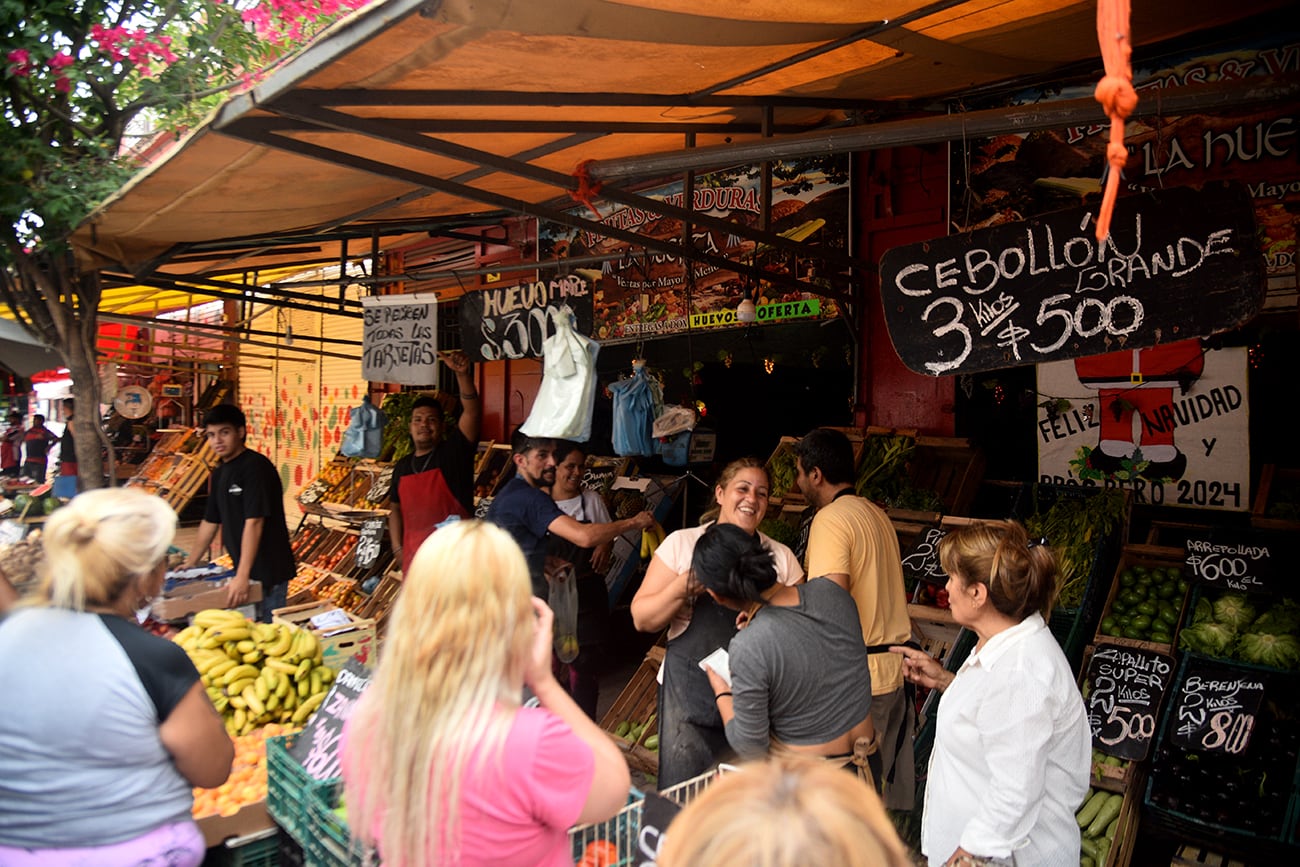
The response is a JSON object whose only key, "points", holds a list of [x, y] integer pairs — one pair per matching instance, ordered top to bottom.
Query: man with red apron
{"points": [[436, 480]]}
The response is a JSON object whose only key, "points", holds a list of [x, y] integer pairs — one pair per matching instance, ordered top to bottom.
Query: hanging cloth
{"points": [[566, 399], [634, 413]]}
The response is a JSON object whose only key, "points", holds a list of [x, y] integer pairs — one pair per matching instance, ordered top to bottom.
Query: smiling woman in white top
{"points": [[1012, 750]]}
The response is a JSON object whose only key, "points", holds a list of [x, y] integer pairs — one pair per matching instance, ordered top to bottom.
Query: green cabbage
{"points": [[1234, 610], [1282, 619], [1209, 638], [1278, 651]]}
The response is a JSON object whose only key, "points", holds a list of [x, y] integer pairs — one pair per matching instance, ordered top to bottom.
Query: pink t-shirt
{"points": [[518, 813]]}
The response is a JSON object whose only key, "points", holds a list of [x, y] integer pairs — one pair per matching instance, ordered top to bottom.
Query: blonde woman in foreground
{"points": [[441, 763], [787, 811]]}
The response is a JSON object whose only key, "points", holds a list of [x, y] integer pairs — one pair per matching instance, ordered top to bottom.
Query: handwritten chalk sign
{"points": [[1178, 263], [511, 322], [399, 340], [370, 542], [1244, 561], [921, 563], [1125, 688], [1215, 707], [317, 746], [657, 812]]}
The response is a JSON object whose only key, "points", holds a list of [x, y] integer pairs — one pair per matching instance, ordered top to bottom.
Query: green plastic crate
{"points": [[287, 785], [330, 842], [262, 851]]}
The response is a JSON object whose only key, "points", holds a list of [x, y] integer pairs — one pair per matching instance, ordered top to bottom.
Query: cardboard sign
{"points": [[1177, 262], [510, 322], [400, 340], [370, 542], [1245, 561], [921, 562], [1125, 688], [1215, 707], [316, 746]]}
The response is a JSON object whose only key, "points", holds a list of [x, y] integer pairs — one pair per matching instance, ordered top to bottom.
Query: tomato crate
{"points": [[1141, 568], [637, 705], [1245, 800], [330, 842]]}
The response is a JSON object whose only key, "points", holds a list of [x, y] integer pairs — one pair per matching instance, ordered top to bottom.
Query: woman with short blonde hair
{"points": [[442, 765], [787, 811]]}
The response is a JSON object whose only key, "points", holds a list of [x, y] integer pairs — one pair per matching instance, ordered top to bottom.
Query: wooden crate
{"points": [[951, 467], [1276, 484], [792, 495], [1144, 555], [379, 604], [358, 641], [637, 703], [1195, 856]]}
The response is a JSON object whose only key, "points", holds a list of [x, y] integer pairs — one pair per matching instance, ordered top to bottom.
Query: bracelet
{"points": [[464, 396], [721, 695]]}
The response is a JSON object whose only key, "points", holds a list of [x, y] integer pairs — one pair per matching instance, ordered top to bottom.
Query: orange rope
{"points": [[1116, 94], [587, 188]]}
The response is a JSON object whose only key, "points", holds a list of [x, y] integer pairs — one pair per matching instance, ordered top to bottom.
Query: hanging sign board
{"points": [[1178, 263], [509, 322], [400, 340], [370, 542], [1242, 560], [921, 562], [1125, 688], [1215, 707], [317, 746]]}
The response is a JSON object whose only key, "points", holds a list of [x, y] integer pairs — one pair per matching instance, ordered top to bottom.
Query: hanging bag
{"points": [[562, 596]]}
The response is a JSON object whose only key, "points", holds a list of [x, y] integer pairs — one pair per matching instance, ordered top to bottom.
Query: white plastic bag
{"points": [[566, 399], [673, 420], [562, 596]]}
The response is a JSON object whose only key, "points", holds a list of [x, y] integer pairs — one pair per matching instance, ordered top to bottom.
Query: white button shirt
{"points": [[1012, 755]]}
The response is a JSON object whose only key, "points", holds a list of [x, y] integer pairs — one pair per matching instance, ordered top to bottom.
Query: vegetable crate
{"points": [[781, 467], [951, 467], [1277, 501], [1148, 592], [357, 639], [632, 720], [287, 787], [1244, 801], [622, 829], [329, 841], [1110, 848], [256, 850], [1195, 856]]}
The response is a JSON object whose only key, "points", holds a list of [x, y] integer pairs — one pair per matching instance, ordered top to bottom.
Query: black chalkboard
{"points": [[1179, 263], [509, 322], [371, 542], [1238, 560], [921, 562], [1125, 686], [1215, 707], [316, 747], [657, 812]]}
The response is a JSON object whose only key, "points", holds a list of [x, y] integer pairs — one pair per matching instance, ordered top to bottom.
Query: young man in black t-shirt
{"points": [[246, 502]]}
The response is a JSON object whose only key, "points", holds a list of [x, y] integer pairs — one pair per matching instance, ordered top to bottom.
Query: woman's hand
{"points": [[539, 662], [921, 668]]}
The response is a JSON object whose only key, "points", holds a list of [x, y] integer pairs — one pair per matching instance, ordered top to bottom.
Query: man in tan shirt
{"points": [[853, 543]]}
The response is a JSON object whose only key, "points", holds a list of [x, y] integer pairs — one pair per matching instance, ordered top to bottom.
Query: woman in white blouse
{"points": [[1012, 751]]}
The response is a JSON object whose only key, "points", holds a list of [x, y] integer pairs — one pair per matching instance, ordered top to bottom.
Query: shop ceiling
{"points": [[440, 118]]}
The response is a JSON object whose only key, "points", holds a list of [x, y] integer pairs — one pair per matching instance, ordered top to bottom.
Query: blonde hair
{"points": [[725, 478], [101, 543], [1020, 574], [447, 687], [786, 811]]}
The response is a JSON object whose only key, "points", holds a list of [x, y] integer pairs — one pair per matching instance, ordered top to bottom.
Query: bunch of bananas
{"points": [[651, 537], [256, 673]]}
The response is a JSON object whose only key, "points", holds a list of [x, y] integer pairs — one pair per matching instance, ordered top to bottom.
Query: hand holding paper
{"points": [[719, 662]]}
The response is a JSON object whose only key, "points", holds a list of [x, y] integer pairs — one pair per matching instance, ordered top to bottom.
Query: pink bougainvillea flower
{"points": [[62, 60], [20, 62]]}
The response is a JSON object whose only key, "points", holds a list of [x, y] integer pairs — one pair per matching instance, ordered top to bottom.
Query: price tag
{"points": [[370, 542], [1245, 561], [921, 563], [1125, 687], [1215, 708]]}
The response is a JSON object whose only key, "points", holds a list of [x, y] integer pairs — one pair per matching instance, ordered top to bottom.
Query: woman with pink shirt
{"points": [[441, 763]]}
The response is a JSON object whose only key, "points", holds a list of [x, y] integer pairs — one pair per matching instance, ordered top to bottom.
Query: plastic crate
{"points": [[287, 786], [330, 842], [256, 850]]}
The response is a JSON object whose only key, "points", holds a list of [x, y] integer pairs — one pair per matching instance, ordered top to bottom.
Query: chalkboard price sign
{"points": [[1177, 262], [510, 322], [369, 545], [1236, 561], [921, 562], [1125, 688], [1216, 707], [317, 746]]}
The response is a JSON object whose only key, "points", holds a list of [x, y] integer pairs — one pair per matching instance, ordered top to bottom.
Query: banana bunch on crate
{"points": [[651, 537], [256, 673]]}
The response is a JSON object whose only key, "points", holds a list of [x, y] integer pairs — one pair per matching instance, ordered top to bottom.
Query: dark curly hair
{"points": [[733, 564]]}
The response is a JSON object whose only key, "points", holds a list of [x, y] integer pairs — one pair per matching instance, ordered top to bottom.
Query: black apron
{"points": [[691, 736]]}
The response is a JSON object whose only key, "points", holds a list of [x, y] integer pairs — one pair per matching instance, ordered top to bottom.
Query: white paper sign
{"points": [[400, 340], [1175, 433]]}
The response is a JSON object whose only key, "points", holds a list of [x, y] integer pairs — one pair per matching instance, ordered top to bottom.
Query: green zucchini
{"points": [[1091, 808], [1109, 810]]}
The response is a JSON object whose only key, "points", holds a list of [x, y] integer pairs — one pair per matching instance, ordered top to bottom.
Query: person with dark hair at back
{"points": [[11, 445], [36, 449], [67, 454], [436, 480], [246, 503], [528, 513], [852, 542], [799, 679]]}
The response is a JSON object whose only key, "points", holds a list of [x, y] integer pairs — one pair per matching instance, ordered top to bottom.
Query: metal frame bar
{"points": [[233, 292]]}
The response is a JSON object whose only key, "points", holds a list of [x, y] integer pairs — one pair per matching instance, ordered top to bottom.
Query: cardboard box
{"points": [[190, 598], [338, 645], [250, 819]]}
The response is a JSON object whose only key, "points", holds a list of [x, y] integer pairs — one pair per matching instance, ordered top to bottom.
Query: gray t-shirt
{"points": [[799, 673], [81, 759]]}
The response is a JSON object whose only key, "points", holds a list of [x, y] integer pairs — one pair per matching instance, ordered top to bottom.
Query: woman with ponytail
{"points": [[799, 677], [106, 727], [1012, 751]]}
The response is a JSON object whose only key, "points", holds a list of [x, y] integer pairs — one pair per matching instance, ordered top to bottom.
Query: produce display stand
{"points": [[177, 469], [347, 485]]}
